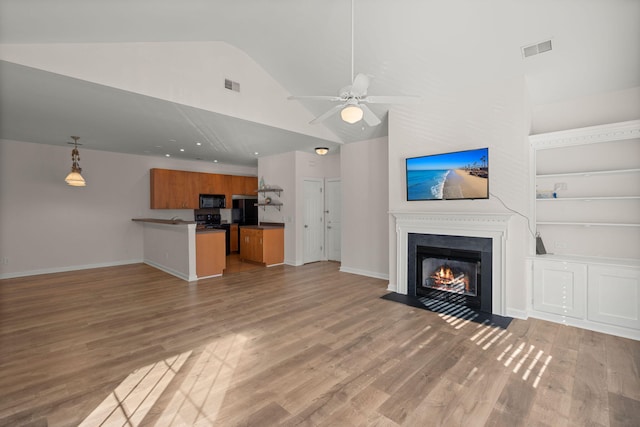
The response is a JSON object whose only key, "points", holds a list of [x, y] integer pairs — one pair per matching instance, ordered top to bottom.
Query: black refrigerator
{"points": [[245, 211]]}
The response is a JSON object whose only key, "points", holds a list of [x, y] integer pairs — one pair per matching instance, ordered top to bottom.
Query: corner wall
{"points": [[365, 189]]}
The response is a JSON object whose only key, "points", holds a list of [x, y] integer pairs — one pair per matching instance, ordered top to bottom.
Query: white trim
{"points": [[586, 135], [491, 225], [69, 268], [171, 271], [367, 273], [586, 324]]}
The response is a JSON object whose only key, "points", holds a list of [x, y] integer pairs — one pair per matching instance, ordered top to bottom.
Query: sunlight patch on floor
{"points": [[195, 396]]}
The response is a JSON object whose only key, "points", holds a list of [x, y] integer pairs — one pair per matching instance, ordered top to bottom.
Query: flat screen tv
{"points": [[449, 176]]}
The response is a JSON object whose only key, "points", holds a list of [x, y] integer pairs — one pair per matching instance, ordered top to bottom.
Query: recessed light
{"points": [[172, 140], [198, 143], [182, 149], [256, 153], [167, 155], [215, 161]]}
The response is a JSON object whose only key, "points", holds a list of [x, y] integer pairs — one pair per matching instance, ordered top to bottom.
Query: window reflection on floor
{"points": [[186, 389]]}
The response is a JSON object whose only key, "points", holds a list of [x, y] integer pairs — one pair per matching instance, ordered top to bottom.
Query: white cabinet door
{"points": [[560, 288], [614, 295]]}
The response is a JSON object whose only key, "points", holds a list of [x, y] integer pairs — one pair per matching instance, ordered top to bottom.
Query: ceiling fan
{"points": [[352, 99]]}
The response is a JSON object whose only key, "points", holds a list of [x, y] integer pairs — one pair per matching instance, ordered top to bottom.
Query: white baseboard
{"points": [[69, 268], [359, 272], [178, 274], [517, 314], [585, 324]]}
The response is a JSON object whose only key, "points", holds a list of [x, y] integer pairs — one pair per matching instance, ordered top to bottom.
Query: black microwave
{"points": [[212, 201]]}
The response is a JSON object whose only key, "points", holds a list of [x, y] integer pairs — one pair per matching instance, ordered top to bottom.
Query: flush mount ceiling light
{"points": [[352, 114], [321, 151], [74, 178]]}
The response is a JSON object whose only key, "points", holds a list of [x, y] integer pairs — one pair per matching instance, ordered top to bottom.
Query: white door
{"points": [[333, 209], [313, 227]]}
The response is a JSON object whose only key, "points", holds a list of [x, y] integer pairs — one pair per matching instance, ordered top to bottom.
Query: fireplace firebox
{"points": [[451, 268]]}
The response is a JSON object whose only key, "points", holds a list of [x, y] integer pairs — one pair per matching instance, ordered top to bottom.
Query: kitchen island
{"points": [[262, 244], [176, 247]]}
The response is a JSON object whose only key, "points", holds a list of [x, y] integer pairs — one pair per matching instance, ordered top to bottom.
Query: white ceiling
{"points": [[411, 47]]}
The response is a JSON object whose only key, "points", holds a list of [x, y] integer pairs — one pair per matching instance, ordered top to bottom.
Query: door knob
{"points": [[306, 226]]}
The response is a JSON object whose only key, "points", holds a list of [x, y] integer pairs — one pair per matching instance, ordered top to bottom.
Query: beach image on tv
{"points": [[450, 176]]}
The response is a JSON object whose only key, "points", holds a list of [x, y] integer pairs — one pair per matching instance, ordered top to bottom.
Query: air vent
{"points": [[537, 48], [231, 85]]}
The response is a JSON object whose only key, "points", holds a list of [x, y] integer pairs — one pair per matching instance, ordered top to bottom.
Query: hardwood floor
{"points": [[309, 345]]}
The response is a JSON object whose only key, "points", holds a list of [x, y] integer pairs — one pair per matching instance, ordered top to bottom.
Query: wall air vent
{"points": [[537, 48], [231, 85]]}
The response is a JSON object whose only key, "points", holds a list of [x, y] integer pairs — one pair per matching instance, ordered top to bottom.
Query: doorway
{"points": [[333, 215], [313, 224]]}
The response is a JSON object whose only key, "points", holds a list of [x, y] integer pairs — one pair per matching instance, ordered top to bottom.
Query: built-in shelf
{"points": [[587, 173], [586, 199], [589, 224], [622, 262]]}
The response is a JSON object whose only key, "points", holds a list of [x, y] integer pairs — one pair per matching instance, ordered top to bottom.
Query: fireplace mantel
{"points": [[490, 225]]}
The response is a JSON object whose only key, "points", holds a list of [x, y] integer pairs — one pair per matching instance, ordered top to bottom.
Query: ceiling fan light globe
{"points": [[351, 114]]}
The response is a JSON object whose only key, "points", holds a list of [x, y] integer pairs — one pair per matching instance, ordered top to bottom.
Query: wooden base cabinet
{"points": [[233, 238], [262, 245], [211, 256], [586, 292]]}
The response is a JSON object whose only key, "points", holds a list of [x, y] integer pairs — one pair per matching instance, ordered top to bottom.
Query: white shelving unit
{"points": [[589, 221]]}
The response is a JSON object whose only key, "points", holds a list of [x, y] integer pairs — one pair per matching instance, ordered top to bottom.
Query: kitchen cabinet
{"points": [[172, 189], [175, 189], [233, 238], [264, 245], [210, 253]]}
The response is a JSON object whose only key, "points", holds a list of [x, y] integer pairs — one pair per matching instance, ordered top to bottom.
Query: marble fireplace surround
{"points": [[489, 225]]}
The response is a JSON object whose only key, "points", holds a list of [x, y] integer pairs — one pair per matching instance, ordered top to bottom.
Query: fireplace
{"points": [[464, 238], [449, 268]]}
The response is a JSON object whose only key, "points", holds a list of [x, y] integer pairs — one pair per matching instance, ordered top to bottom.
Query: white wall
{"points": [[597, 109], [494, 117], [365, 220], [47, 226]]}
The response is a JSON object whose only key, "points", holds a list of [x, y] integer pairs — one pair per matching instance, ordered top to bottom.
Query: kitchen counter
{"points": [[163, 221], [262, 227], [176, 247]]}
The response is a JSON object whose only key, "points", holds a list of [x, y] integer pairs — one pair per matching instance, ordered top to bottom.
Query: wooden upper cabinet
{"points": [[213, 183], [244, 185], [171, 189], [174, 189]]}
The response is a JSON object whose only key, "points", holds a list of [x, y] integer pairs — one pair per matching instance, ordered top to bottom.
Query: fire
{"points": [[445, 278]]}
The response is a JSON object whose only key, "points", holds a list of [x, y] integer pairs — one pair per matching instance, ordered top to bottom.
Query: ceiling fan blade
{"points": [[360, 85], [316, 97], [391, 99], [326, 115], [369, 117]]}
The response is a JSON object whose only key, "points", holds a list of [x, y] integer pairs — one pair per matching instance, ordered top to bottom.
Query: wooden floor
{"points": [[285, 345]]}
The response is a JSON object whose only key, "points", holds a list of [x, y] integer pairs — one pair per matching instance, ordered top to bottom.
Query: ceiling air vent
{"points": [[537, 48], [231, 85]]}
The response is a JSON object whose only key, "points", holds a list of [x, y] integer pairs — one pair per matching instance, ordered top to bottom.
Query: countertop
{"points": [[163, 221], [262, 227]]}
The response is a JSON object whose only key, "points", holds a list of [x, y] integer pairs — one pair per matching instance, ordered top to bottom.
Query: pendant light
{"points": [[74, 178]]}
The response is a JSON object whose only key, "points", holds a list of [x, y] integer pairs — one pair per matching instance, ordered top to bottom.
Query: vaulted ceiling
{"points": [[410, 47]]}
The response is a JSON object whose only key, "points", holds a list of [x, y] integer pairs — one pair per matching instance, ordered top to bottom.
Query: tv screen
{"points": [[449, 176]]}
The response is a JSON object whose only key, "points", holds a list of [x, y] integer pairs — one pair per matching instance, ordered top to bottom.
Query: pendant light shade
{"points": [[351, 114], [321, 151], [75, 178]]}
